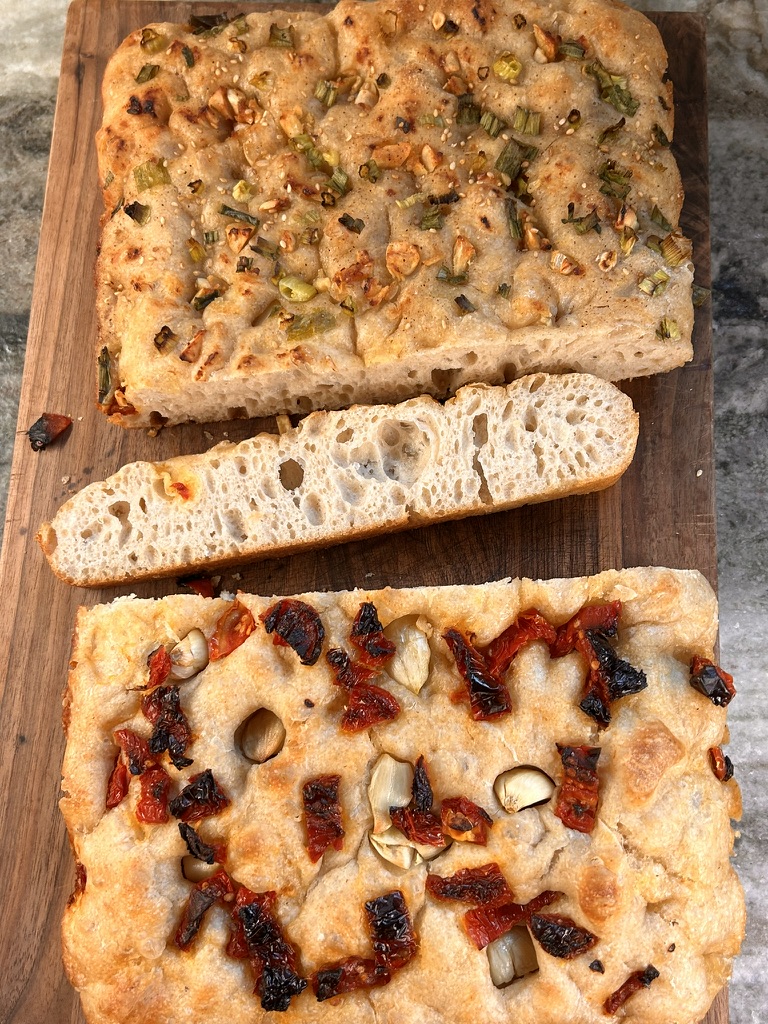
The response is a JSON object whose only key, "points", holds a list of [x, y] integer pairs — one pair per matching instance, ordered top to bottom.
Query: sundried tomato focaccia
{"points": [[397, 198], [500, 802]]}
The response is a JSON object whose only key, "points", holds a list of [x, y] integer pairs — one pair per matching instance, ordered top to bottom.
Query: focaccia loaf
{"points": [[394, 199], [340, 476], [269, 703]]}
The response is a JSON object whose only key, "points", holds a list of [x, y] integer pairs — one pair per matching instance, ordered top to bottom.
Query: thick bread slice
{"points": [[344, 475]]}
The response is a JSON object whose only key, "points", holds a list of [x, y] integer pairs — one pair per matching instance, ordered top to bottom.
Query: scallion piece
{"points": [[205, 24], [240, 25], [449, 27], [282, 38], [152, 41], [571, 49], [189, 57], [508, 67], [147, 73], [383, 80], [613, 88], [326, 92], [467, 111], [574, 119], [432, 120], [527, 122], [403, 124], [492, 124], [610, 130], [660, 135], [510, 159], [369, 171], [150, 175], [109, 179], [615, 180], [339, 181], [196, 186], [242, 192], [327, 199], [445, 199], [411, 200], [118, 206], [138, 212], [241, 215], [658, 218], [432, 220], [589, 222], [353, 224], [515, 227], [310, 236], [210, 237], [627, 240], [653, 242], [269, 250], [196, 252], [674, 254], [244, 264], [445, 275], [654, 284], [296, 289], [504, 290], [700, 295], [204, 297], [348, 306], [465, 306], [310, 324], [668, 329], [163, 336], [105, 377]]}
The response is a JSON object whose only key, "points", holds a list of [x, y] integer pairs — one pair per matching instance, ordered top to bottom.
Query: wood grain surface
{"points": [[661, 512]]}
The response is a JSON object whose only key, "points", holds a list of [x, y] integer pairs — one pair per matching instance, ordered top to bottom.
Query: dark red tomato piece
{"points": [[45, 430], [200, 585], [602, 617], [296, 625], [530, 625], [232, 630], [368, 634], [159, 664], [347, 673], [609, 677], [711, 681], [488, 696], [368, 705], [162, 706], [135, 749], [722, 766], [117, 784], [421, 788], [579, 793], [201, 798], [152, 805], [322, 815], [416, 821], [465, 821], [197, 848], [81, 877], [477, 886], [203, 895], [484, 924], [392, 933], [560, 936], [236, 947], [273, 957], [347, 976], [636, 981]]}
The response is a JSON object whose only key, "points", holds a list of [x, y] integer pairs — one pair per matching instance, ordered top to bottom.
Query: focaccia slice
{"points": [[397, 198], [347, 763]]}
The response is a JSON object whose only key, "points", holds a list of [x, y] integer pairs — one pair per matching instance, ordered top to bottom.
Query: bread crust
{"points": [[185, 335], [653, 879]]}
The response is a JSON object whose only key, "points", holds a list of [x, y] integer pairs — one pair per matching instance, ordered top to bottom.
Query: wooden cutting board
{"points": [[660, 513]]}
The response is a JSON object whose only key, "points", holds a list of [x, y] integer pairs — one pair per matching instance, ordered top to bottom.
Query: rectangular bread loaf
{"points": [[394, 199], [403, 806]]}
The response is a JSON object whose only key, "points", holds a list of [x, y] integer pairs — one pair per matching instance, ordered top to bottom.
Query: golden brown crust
{"points": [[227, 119], [653, 879]]}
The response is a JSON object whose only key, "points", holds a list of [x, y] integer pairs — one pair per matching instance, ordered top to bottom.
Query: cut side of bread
{"points": [[341, 476]]}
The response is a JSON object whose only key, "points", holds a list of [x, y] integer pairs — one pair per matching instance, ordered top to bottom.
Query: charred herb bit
{"points": [[519, 21], [449, 27], [282, 38], [152, 41], [188, 55], [507, 67], [147, 73], [383, 80], [613, 88], [467, 111], [574, 120], [527, 122], [403, 124], [492, 124], [611, 130], [660, 136], [151, 174], [615, 180], [196, 186], [445, 199], [138, 212], [241, 215], [658, 218], [432, 219], [589, 222], [353, 224], [244, 264], [654, 284], [504, 290], [204, 297], [464, 305], [348, 307], [668, 329], [163, 337], [47, 428], [297, 625], [233, 628], [368, 635], [712, 681], [488, 696], [162, 707], [721, 764], [579, 792], [201, 798], [152, 805], [322, 815], [465, 821], [197, 848], [477, 886], [202, 897], [485, 923], [560, 936], [260, 938], [394, 939], [597, 966], [348, 976], [636, 981]]}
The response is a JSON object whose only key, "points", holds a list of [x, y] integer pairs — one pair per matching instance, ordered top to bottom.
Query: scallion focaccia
{"points": [[397, 198], [500, 802]]}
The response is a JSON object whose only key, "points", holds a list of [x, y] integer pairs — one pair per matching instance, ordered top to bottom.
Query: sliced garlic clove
{"points": [[189, 656], [410, 664], [260, 736], [390, 786], [521, 787], [395, 848], [195, 870], [511, 956]]}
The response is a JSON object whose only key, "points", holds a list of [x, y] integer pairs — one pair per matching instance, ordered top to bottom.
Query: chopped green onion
{"points": [[208, 24], [240, 25], [449, 27], [281, 37], [152, 41], [571, 49], [189, 57], [508, 67], [147, 73], [263, 81], [383, 81], [613, 88], [326, 92], [467, 111], [574, 119], [432, 120], [527, 122], [403, 124], [492, 124], [611, 130], [660, 135], [510, 159], [369, 171], [150, 174], [109, 179], [615, 180], [339, 181], [196, 186], [242, 192], [327, 199], [445, 199], [409, 201], [119, 206], [138, 212], [240, 215], [658, 218], [433, 219], [589, 222], [353, 224], [515, 227], [310, 236], [210, 237], [627, 240], [653, 242], [269, 250], [196, 252], [674, 254], [244, 263], [445, 275], [654, 284], [296, 289], [504, 289], [700, 295], [204, 297], [348, 306], [465, 306], [310, 324], [668, 329], [163, 336], [105, 377]]}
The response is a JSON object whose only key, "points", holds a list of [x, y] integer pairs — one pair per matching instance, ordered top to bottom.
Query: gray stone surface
{"points": [[30, 47]]}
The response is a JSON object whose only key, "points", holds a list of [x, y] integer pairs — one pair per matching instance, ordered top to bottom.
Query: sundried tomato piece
{"points": [[46, 429], [200, 585], [603, 617], [296, 625], [528, 626], [232, 630], [368, 634], [159, 664], [347, 673], [609, 678], [712, 681], [488, 696], [368, 705], [162, 706], [135, 748], [722, 766], [117, 784], [421, 788], [579, 794], [201, 798], [152, 805], [322, 815], [416, 821], [465, 821], [197, 848], [81, 877], [478, 886], [202, 897], [484, 924], [392, 933], [560, 936], [236, 947], [273, 958], [347, 976], [636, 981]]}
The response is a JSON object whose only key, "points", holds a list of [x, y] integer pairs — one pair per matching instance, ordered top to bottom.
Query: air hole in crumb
{"points": [[470, 358], [510, 373], [444, 380], [303, 404], [238, 412], [531, 420], [345, 435], [291, 474], [142, 504], [120, 510], [86, 534], [260, 737]]}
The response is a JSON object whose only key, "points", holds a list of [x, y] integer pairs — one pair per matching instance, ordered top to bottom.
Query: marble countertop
{"points": [[30, 51]]}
